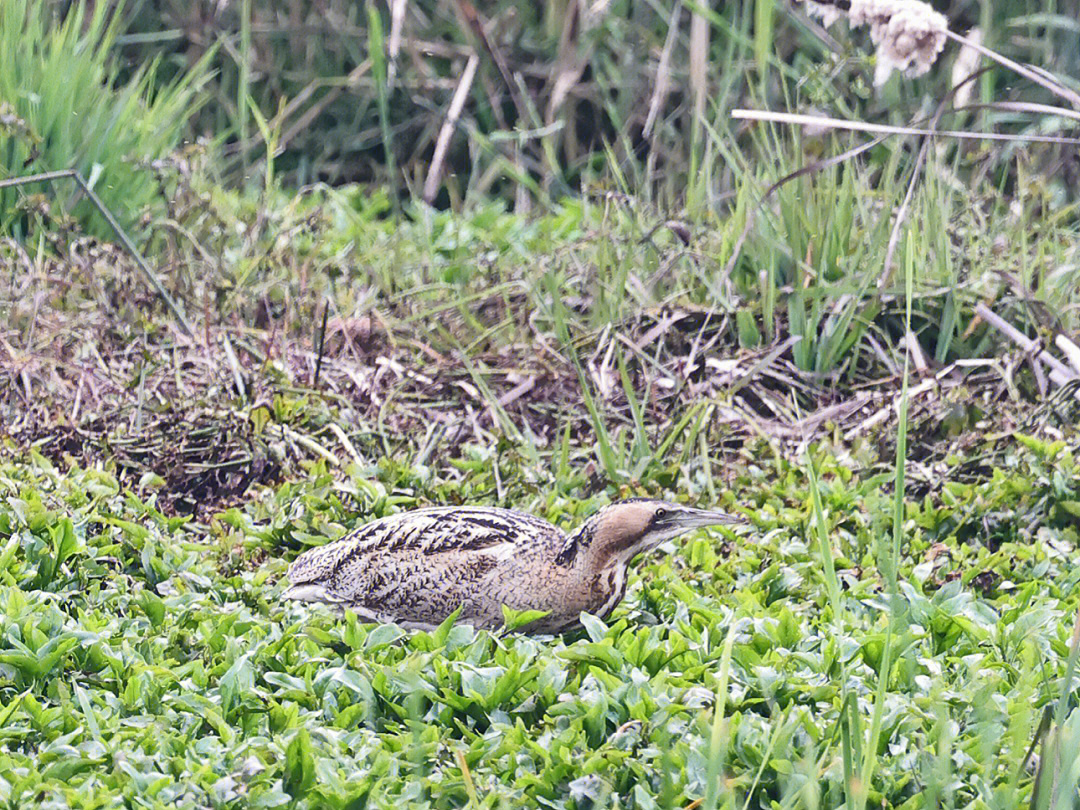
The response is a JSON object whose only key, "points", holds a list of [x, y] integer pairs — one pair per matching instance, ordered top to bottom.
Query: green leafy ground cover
{"points": [[147, 663]]}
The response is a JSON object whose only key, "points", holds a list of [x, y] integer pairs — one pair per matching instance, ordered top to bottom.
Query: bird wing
{"points": [[418, 566]]}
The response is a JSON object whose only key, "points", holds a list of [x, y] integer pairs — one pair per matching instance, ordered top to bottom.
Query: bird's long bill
{"points": [[686, 519], [677, 520], [681, 520]]}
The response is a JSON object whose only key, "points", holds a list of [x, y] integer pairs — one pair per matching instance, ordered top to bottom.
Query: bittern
{"points": [[416, 568]]}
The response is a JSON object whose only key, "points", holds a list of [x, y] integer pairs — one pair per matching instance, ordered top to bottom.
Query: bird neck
{"points": [[577, 545], [589, 550], [596, 571]]}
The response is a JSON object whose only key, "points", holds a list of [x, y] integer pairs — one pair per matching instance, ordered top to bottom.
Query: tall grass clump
{"points": [[634, 96], [68, 102]]}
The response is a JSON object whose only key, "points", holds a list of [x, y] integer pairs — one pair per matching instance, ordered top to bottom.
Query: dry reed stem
{"points": [[478, 26], [393, 47], [699, 56], [572, 60], [965, 67], [663, 71], [1040, 78], [801, 119], [446, 132], [1070, 350], [1060, 374]]}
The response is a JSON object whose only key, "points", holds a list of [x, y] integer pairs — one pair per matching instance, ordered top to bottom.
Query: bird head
{"points": [[625, 529]]}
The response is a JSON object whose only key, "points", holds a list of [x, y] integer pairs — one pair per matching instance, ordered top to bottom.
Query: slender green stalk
{"points": [[764, 13], [377, 54], [243, 84], [641, 442], [891, 564], [832, 585], [851, 739], [717, 749], [1053, 787]]}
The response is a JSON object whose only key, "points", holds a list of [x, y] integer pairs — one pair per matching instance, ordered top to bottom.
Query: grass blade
{"points": [[892, 562]]}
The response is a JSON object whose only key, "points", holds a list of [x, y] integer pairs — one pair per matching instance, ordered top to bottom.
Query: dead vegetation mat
{"points": [[93, 371]]}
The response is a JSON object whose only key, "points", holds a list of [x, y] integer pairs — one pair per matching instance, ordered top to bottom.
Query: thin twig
{"points": [[477, 24], [322, 341], [918, 359], [234, 364], [762, 364], [337, 430], [310, 444]]}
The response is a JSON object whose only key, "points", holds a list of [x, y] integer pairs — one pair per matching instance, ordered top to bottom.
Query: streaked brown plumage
{"points": [[417, 567]]}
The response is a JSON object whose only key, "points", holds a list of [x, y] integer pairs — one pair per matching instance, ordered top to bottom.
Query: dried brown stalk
{"points": [[446, 132]]}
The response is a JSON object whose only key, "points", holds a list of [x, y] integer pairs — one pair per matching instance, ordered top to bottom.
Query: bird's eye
{"points": [[661, 514]]}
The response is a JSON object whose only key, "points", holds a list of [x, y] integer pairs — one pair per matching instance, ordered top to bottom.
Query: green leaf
{"points": [[749, 336], [1072, 507], [63, 543], [9, 552], [152, 606], [516, 619], [594, 626], [788, 629], [443, 630], [593, 652], [46, 659], [238, 680], [13, 704], [299, 765]]}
